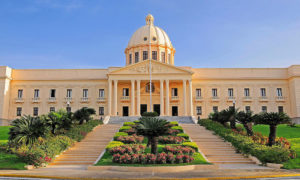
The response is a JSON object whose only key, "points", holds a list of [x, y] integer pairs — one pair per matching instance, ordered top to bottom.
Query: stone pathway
{"points": [[213, 147], [88, 150]]}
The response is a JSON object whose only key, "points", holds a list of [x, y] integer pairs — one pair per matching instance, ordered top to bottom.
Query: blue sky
{"points": [[94, 34]]}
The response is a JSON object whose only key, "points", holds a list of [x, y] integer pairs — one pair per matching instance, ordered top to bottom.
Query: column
{"points": [[109, 97], [115, 97], [138, 97], [161, 97], [132, 98], [167, 98], [184, 98], [191, 98]]}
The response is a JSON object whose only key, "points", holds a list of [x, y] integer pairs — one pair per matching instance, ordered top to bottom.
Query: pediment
{"points": [[156, 68]]}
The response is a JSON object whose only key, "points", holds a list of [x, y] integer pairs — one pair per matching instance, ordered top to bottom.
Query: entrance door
{"points": [[143, 108], [156, 108], [125, 110], [174, 111]]}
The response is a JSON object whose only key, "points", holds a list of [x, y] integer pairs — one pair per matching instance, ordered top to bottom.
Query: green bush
{"points": [[150, 114], [136, 121], [174, 123], [129, 124], [124, 128], [177, 128], [78, 132], [118, 134], [184, 135], [113, 144], [191, 144], [246, 145]]}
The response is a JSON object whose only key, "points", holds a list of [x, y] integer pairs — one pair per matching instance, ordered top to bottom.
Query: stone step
{"points": [[233, 162]]}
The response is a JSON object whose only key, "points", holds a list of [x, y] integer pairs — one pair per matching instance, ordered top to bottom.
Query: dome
{"points": [[158, 36]]}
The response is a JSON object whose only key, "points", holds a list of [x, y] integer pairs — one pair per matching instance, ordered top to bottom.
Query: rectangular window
{"points": [[145, 55], [154, 55], [136, 57], [163, 57], [130, 58], [169, 58], [125, 91], [174, 92], [198, 92], [214, 92], [230, 92], [246, 92], [263, 92], [279, 92], [20, 93], [36, 93], [52, 93], [69, 93], [85, 93], [101, 93], [52, 109], [69, 109], [215, 109], [247, 109], [264, 109], [280, 109], [199, 110], [19, 111], [35, 111], [101, 111]]}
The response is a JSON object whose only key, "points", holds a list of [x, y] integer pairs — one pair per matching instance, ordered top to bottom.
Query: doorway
{"points": [[143, 108], [156, 108], [125, 110], [174, 110]]}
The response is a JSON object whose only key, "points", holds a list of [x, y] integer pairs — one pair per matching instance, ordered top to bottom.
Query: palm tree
{"points": [[84, 114], [246, 118], [272, 119], [59, 120], [152, 128], [27, 130]]}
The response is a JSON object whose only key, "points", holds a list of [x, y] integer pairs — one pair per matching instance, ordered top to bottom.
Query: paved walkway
{"points": [[213, 147], [88, 150]]}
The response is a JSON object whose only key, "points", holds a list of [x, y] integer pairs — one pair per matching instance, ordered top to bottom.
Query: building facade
{"points": [[125, 91]]}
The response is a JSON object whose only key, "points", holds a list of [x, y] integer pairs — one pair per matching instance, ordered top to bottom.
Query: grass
{"points": [[292, 134], [7, 160], [106, 160]]}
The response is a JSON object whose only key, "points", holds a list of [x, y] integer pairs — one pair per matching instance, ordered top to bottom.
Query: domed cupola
{"points": [[138, 47]]}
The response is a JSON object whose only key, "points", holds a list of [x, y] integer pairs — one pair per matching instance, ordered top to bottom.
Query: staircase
{"points": [[122, 119], [89, 149], [215, 149]]}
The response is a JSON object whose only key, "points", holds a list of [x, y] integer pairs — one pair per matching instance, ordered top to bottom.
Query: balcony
{"points": [[125, 98], [174, 98], [198, 98], [230, 98], [280, 98], [68, 99], [101, 99], [215, 99], [247, 99], [263, 99], [19, 100], [36, 100], [52, 100], [85, 100]]}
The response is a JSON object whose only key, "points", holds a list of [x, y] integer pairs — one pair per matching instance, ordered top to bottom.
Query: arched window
{"points": [[148, 87]]}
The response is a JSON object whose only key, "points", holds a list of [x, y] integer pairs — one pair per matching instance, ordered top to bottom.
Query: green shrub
{"points": [[150, 114], [136, 121], [174, 123], [129, 124], [124, 128], [177, 128], [78, 132], [118, 134], [184, 135], [113, 144], [191, 144], [246, 145]]}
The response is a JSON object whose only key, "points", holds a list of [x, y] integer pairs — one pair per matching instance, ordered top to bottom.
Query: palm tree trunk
{"points": [[248, 127], [272, 135], [149, 141], [154, 145]]}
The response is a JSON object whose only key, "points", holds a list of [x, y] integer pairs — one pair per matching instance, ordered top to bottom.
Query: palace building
{"points": [[125, 91]]}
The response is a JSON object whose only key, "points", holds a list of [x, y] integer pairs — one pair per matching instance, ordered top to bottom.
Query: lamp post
{"points": [[68, 105]]}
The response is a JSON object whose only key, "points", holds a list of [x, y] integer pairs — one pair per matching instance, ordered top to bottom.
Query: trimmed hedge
{"points": [[174, 123], [129, 124], [124, 128], [177, 128], [118, 134], [184, 135], [113, 144], [191, 144], [246, 145]]}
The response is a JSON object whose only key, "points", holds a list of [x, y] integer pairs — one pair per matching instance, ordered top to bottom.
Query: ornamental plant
{"points": [[246, 119], [124, 128], [179, 128], [118, 134], [184, 135], [134, 139], [170, 139], [179, 150]]}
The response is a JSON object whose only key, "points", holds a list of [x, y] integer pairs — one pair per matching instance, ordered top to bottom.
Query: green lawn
{"points": [[293, 136], [7, 160], [106, 160]]}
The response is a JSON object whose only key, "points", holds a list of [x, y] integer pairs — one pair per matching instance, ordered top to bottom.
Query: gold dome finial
{"points": [[149, 19]]}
